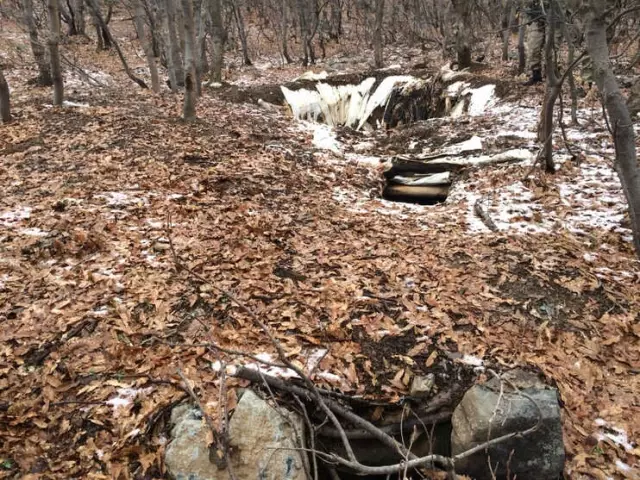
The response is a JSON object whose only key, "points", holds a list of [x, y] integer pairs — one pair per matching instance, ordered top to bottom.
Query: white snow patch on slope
{"points": [[324, 138], [11, 217]]}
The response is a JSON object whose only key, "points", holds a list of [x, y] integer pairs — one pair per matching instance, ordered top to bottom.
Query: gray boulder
{"points": [[262, 443], [535, 456]]}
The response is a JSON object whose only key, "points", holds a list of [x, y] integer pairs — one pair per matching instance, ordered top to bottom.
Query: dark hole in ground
{"points": [[414, 195]]}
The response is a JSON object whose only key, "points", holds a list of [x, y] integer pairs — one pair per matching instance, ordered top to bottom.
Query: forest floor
{"points": [[96, 318]]}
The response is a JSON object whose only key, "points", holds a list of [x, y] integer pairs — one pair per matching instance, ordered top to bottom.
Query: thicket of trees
{"points": [[189, 39]]}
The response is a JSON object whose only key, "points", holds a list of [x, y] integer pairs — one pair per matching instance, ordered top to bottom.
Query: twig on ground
{"points": [[484, 216], [393, 429], [312, 435]]}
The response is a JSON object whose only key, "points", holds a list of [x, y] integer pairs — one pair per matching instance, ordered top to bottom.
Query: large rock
{"points": [[262, 440], [536, 456]]}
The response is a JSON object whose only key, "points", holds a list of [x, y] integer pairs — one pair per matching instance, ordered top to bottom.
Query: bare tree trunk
{"points": [[94, 6], [507, 9], [237, 13], [78, 17], [462, 31], [285, 32], [378, 34], [219, 38], [100, 45], [146, 45], [199, 47], [39, 52], [54, 53], [522, 57], [175, 62], [572, 84], [190, 88], [552, 90], [5, 103], [619, 118]]}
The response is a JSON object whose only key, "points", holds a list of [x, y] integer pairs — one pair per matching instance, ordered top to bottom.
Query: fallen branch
{"points": [[484, 216], [393, 429]]}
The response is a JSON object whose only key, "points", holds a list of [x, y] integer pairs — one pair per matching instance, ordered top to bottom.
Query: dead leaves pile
{"points": [[95, 319]]}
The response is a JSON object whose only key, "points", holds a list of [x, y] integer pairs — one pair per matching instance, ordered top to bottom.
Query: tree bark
{"points": [[507, 9], [237, 13], [78, 17], [285, 32], [462, 32], [378, 34], [218, 38], [146, 46], [39, 52], [54, 53], [522, 57], [174, 60], [190, 88], [5, 102], [623, 135]]}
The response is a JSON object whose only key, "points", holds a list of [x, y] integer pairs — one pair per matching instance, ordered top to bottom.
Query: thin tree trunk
{"points": [[94, 6], [507, 8], [237, 13], [78, 17], [96, 25], [462, 31], [285, 32], [378, 34], [218, 38], [146, 46], [199, 47], [39, 52], [54, 53], [522, 57], [175, 62], [190, 88], [552, 91], [573, 91], [5, 102], [616, 107]]}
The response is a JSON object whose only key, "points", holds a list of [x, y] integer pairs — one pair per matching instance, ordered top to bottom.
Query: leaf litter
{"points": [[95, 318]]}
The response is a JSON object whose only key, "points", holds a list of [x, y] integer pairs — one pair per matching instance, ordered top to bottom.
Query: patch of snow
{"points": [[390, 67], [310, 75], [215, 85], [456, 88], [481, 98], [75, 104], [324, 138], [473, 144], [363, 159], [13, 216], [33, 232], [100, 311], [314, 358], [472, 360], [329, 377], [126, 396], [615, 434], [623, 467]]}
